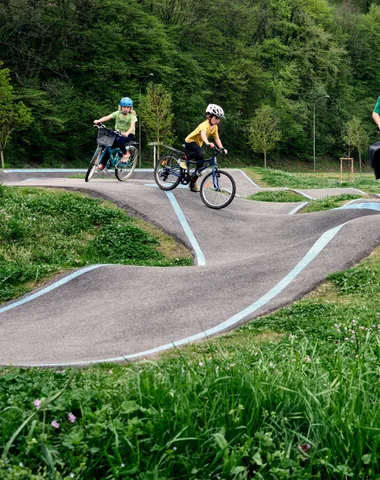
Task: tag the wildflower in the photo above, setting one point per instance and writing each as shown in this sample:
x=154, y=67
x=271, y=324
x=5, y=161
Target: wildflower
x=308, y=359
x=110, y=372
x=21, y=464
x=122, y=465
x=304, y=447
x=72, y=475
x=174, y=448
x=71, y=417
x=55, y=424
x=201, y=364
x=37, y=403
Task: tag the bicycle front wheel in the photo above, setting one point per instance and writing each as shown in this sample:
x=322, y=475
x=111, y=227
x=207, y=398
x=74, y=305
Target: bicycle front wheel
x=125, y=169
x=167, y=172
x=94, y=163
x=218, y=189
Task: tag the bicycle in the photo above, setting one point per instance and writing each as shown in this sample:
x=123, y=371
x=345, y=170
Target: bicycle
x=217, y=188
x=105, y=139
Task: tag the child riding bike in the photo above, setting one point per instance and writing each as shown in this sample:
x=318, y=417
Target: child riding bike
x=195, y=140
x=125, y=121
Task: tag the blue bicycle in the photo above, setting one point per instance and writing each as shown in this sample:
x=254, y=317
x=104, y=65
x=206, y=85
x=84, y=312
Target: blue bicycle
x=105, y=139
x=217, y=188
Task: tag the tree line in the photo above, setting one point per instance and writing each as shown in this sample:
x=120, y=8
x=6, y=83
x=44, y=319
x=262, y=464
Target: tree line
x=267, y=62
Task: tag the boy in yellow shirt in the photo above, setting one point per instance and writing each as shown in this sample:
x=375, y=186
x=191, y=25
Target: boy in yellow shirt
x=194, y=141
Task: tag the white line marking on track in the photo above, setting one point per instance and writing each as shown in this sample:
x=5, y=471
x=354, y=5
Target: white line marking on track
x=369, y=205
x=298, y=208
x=51, y=287
x=249, y=179
x=201, y=261
x=318, y=246
x=303, y=194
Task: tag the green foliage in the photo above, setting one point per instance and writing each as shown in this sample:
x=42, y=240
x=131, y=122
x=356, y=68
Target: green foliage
x=280, y=178
x=328, y=203
x=44, y=232
x=264, y=132
x=156, y=114
x=76, y=59
x=362, y=280
x=14, y=116
x=279, y=196
x=355, y=137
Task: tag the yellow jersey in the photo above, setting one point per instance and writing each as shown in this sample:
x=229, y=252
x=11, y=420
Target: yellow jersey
x=210, y=130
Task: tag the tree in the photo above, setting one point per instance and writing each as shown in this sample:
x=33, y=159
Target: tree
x=13, y=115
x=264, y=131
x=355, y=136
x=156, y=115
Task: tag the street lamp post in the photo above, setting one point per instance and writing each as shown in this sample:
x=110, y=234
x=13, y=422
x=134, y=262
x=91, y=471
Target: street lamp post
x=140, y=146
x=321, y=98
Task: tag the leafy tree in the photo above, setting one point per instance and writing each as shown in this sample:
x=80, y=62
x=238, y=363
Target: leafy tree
x=355, y=136
x=264, y=131
x=156, y=115
x=13, y=115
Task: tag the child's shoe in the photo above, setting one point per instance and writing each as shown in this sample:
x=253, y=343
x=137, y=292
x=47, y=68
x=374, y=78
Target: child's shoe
x=193, y=187
x=182, y=163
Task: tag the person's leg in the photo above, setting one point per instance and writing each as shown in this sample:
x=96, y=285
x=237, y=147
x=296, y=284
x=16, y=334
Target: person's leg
x=196, y=153
x=121, y=143
x=104, y=159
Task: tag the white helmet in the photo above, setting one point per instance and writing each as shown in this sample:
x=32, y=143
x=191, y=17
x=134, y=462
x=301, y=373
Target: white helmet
x=213, y=109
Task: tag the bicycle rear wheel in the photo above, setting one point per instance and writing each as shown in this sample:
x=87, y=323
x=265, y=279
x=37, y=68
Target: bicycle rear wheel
x=167, y=172
x=218, y=190
x=94, y=163
x=124, y=170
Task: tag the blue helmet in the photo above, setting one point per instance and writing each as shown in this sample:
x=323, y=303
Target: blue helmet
x=126, y=102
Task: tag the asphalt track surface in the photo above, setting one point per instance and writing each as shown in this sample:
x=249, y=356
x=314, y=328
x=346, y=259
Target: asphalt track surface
x=249, y=259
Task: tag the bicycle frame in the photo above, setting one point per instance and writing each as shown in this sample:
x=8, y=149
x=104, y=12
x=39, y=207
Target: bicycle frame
x=217, y=188
x=114, y=156
x=124, y=167
x=204, y=164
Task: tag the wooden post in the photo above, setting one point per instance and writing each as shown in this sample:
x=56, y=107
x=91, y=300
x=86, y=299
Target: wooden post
x=155, y=145
x=351, y=172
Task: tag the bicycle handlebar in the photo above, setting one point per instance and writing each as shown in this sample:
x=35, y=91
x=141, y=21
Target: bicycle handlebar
x=101, y=125
x=217, y=150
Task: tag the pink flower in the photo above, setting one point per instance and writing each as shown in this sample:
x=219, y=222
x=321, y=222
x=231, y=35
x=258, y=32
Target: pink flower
x=55, y=424
x=37, y=403
x=71, y=417
x=305, y=447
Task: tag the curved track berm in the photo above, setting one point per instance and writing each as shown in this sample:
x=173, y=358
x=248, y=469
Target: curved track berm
x=257, y=258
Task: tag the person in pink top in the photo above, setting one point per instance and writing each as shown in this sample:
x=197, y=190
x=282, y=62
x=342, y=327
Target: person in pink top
x=195, y=140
